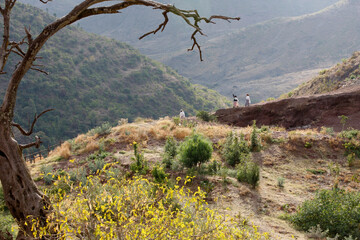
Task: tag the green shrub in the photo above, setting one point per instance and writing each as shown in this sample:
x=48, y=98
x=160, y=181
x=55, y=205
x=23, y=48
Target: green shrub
x=255, y=145
x=335, y=210
x=205, y=116
x=140, y=165
x=352, y=147
x=104, y=129
x=350, y=134
x=235, y=150
x=343, y=120
x=316, y=171
x=351, y=159
x=196, y=149
x=176, y=120
x=101, y=155
x=171, y=147
x=6, y=220
x=308, y=144
x=96, y=165
x=280, y=182
x=213, y=167
x=159, y=174
x=249, y=173
x=327, y=130
x=48, y=174
x=317, y=233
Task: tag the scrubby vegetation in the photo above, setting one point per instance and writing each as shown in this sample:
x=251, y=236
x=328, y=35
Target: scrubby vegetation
x=336, y=211
x=199, y=179
x=120, y=208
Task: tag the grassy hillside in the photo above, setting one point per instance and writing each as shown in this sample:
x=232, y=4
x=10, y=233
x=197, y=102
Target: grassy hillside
x=344, y=75
x=273, y=57
x=98, y=179
x=95, y=79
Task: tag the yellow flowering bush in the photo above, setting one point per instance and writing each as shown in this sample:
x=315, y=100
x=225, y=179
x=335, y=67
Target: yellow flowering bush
x=120, y=208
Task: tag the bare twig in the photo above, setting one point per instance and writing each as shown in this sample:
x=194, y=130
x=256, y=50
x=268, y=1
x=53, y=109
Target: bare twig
x=28, y=133
x=28, y=35
x=29, y=145
x=39, y=70
x=161, y=26
x=195, y=44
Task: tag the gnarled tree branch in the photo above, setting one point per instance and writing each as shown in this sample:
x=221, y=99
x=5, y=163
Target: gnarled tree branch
x=28, y=133
x=161, y=26
x=29, y=145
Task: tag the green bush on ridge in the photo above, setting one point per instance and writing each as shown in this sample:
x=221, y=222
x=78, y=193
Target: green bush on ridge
x=337, y=211
x=195, y=150
x=235, y=150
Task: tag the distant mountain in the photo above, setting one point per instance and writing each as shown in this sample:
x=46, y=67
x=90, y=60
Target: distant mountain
x=256, y=59
x=343, y=76
x=273, y=57
x=135, y=21
x=94, y=79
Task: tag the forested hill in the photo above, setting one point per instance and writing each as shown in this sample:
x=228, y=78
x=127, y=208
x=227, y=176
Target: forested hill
x=95, y=79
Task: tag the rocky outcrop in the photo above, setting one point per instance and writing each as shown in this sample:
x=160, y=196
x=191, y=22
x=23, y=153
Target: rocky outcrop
x=313, y=111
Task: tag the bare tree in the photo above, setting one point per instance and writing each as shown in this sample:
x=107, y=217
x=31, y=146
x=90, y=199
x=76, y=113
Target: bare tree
x=22, y=196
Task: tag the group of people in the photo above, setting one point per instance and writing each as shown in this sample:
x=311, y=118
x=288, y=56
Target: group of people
x=236, y=104
x=236, y=101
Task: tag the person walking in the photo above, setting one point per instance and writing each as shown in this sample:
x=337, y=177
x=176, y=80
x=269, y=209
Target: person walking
x=236, y=101
x=247, y=100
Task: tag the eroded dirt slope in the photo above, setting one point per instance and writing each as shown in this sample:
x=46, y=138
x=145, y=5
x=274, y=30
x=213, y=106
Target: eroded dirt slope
x=312, y=111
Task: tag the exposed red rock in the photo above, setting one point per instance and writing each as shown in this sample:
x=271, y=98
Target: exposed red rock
x=308, y=112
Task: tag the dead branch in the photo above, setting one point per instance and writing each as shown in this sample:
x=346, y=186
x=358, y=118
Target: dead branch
x=39, y=70
x=29, y=145
x=161, y=26
x=28, y=133
x=195, y=44
x=28, y=35
x=224, y=18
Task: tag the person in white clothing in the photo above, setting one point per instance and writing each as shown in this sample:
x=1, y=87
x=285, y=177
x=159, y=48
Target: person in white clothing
x=247, y=100
x=236, y=102
x=182, y=114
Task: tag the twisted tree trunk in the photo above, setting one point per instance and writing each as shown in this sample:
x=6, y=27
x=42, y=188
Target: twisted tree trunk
x=21, y=194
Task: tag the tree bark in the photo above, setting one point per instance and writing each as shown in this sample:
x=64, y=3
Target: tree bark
x=21, y=194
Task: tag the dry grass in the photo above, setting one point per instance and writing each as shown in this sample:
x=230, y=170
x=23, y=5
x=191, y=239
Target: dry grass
x=214, y=131
x=129, y=133
x=81, y=138
x=64, y=151
x=91, y=146
x=181, y=133
x=162, y=129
